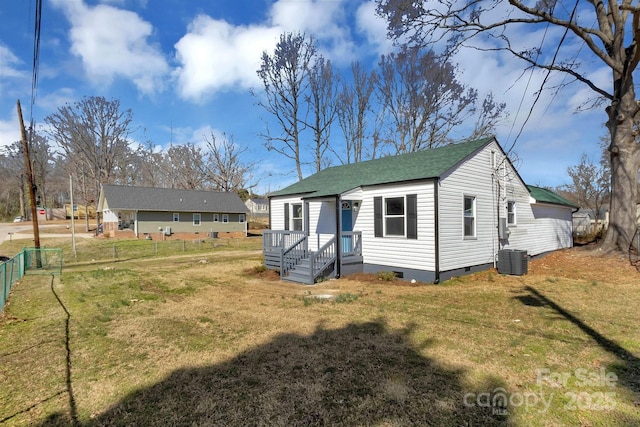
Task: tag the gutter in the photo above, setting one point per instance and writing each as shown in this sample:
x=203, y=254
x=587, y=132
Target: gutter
x=338, y=237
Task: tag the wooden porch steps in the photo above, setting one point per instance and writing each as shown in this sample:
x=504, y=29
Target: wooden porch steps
x=301, y=273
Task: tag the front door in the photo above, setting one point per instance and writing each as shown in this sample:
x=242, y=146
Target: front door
x=347, y=225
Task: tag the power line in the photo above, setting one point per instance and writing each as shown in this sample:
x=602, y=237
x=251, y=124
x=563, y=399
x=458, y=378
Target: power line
x=35, y=65
x=546, y=78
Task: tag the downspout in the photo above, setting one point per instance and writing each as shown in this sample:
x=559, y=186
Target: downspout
x=496, y=214
x=269, y=212
x=338, y=238
x=436, y=231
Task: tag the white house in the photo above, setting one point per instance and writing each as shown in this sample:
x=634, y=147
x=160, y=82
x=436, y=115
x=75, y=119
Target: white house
x=258, y=206
x=429, y=216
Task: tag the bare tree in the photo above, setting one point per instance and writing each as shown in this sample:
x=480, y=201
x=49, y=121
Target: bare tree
x=322, y=102
x=93, y=135
x=183, y=167
x=354, y=112
x=491, y=113
x=422, y=98
x=284, y=75
x=224, y=168
x=41, y=159
x=12, y=191
x=589, y=184
x=609, y=33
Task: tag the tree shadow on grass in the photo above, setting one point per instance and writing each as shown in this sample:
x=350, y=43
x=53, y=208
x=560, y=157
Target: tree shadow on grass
x=362, y=374
x=628, y=367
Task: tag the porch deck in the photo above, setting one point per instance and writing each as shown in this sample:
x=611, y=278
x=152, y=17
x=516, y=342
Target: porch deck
x=290, y=253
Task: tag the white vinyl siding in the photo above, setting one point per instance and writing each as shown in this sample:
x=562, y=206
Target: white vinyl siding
x=398, y=251
x=550, y=230
x=322, y=220
x=473, y=177
x=277, y=211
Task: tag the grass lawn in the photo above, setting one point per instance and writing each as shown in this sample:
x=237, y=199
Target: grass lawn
x=207, y=339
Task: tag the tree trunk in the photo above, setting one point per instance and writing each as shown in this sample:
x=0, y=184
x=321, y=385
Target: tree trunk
x=624, y=155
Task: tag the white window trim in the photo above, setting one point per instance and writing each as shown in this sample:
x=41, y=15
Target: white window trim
x=385, y=216
x=176, y=217
x=515, y=209
x=474, y=216
x=225, y=218
x=199, y=216
x=295, y=218
x=242, y=218
x=216, y=218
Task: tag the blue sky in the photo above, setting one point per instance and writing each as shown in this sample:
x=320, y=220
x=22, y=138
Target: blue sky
x=185, y=69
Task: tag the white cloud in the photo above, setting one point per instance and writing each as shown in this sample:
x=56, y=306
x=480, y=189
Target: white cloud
x=373, y=27
x=324, y=20
x=9, y=63
x=114, y=43
x=9, y=130
x=214, y=56
x=56, y=99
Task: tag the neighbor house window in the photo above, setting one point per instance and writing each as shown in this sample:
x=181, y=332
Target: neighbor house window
x=394, y=216
x=241, y=218
x=469, y=216
x=196, y=219
x=296, y=217
x=225, y=218
x=216, y=218
x=176, y=217
x=511, y=213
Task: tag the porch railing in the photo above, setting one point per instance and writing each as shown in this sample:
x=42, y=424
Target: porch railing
x=291, y=256
x=321, y=259
x=275, y=242
x=351, y=243
x=272, y=239
x=284, y=250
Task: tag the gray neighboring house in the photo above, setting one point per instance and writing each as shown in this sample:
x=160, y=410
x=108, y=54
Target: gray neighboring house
x=147, y=210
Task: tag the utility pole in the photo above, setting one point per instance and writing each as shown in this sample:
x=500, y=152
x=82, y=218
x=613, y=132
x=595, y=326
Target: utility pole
x=32, y=185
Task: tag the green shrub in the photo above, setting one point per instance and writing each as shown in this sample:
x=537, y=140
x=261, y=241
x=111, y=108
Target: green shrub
x=386, y=276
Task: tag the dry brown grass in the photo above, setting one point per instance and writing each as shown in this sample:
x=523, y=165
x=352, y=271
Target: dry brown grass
x=213, y=340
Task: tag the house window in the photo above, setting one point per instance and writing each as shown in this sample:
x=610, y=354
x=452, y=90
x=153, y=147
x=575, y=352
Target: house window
x=296, y=217
x=469, y=216
x=241, y=218
x=176, y=217
x=216, y=218
x=225, y=218
x=196, y=219
x=511, y=212
x=394, y=216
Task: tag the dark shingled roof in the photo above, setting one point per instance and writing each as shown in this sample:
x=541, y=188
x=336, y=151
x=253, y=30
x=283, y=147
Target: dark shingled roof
x=547, y=196
x=425, y=164
x=120, y=197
